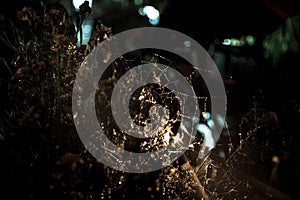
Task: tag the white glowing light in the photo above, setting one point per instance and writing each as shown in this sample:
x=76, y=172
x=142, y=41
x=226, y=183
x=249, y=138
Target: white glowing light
x=152, y=13
x=78, y=3
x=87, y=28
x=167, y=138
x=226, y=42
x=208, y=137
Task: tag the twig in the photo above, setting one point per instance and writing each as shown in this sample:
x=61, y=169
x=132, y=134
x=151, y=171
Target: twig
x=8, y=43
x=5, y=63
x=200, y=191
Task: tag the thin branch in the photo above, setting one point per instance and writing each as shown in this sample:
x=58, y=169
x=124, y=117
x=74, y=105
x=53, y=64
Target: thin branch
x=7, y=42
x=7, y=66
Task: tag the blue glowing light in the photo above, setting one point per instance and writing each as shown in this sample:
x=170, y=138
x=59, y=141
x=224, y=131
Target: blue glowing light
x=211, y=123
x=152, y=13
x=208, y=137
x=154, y=22
x=226, y=42
x=86, y=28
x=206, y=115
x=220, y=120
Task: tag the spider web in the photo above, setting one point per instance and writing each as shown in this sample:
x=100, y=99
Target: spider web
x=215, y=175
x=143, y=100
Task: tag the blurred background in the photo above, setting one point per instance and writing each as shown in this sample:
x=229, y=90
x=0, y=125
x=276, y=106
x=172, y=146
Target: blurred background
x=255, y=45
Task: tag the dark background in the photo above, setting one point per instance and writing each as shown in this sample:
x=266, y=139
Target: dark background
x=206, y=22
